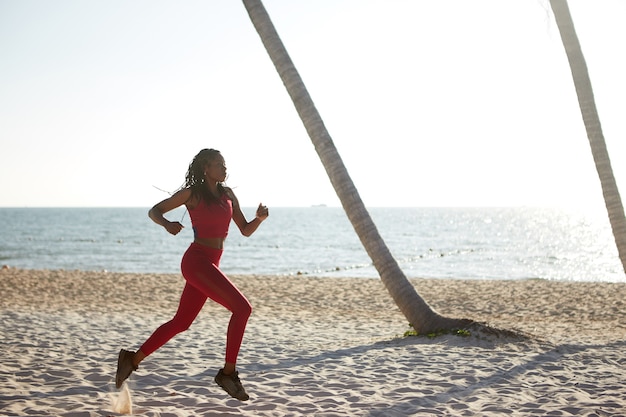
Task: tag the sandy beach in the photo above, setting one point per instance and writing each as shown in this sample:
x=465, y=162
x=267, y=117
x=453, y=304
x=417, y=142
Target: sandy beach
x=314, y=347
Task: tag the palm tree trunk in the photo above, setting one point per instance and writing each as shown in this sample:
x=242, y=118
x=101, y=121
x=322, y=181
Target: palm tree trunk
x=419, y=314
x=587, y=104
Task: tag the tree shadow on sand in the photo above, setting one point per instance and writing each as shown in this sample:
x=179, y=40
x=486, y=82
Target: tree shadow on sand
x=556, y=379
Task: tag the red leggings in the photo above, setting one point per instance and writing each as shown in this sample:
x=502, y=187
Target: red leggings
x=200, y=267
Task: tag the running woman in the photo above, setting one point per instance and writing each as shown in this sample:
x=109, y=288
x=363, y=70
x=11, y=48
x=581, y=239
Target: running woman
x=211, y=206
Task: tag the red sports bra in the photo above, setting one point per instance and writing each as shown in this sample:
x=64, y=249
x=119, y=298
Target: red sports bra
x=212, y=220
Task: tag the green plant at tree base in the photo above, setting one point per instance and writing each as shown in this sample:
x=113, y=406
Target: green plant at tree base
x=432, y=335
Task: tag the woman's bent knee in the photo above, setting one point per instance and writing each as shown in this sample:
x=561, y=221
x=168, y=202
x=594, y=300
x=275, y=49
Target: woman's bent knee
x=181, y=324
x=244, y=308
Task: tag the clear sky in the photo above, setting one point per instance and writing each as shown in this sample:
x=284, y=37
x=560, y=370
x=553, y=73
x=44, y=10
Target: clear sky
x=430, y=103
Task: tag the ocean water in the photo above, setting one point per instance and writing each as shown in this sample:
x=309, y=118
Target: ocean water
x=468, y=243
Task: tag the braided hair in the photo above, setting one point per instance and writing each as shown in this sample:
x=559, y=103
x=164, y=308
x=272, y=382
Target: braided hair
x=194, y=179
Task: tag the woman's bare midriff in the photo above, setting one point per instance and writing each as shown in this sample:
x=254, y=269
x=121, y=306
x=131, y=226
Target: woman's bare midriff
x=212, y=242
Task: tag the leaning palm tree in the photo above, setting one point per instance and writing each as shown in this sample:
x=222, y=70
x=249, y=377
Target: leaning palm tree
x=587, y=104
x=419, y=314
